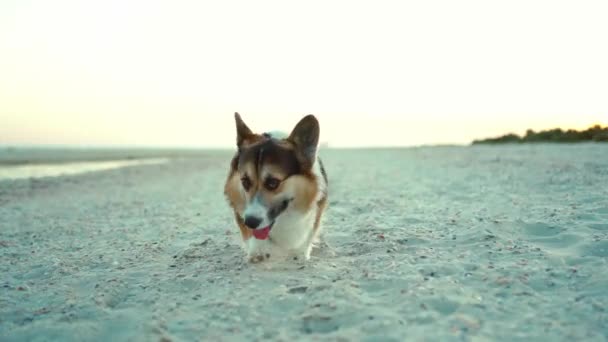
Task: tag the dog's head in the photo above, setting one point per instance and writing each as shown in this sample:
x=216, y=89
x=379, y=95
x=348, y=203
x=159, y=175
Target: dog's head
x=271, y=173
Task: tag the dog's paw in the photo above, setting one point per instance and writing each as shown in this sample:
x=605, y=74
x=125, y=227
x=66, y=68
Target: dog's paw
x=322, y=248
x=306, y=252
x=258, y=251
x=257, y=258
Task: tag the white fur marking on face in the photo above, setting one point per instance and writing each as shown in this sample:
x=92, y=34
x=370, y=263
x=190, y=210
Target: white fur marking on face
x=257, y=209
x=278, y=135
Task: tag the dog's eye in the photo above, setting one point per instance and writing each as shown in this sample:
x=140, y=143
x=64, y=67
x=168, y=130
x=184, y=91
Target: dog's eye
x=246, y=183
x=272, y=183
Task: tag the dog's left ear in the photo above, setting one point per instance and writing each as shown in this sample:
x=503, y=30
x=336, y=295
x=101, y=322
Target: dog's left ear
x=306, y=138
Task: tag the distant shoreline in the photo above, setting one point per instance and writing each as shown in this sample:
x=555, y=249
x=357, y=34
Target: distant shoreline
x=595, y=133
x=14, y=156
x=19, y=155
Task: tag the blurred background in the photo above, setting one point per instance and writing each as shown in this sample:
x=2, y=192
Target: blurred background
x=376, y=73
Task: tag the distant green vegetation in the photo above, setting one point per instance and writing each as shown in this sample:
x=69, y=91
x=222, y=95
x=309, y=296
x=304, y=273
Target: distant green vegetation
x=557, y=135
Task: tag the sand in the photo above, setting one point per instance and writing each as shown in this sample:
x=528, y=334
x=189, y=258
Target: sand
x=436, y=243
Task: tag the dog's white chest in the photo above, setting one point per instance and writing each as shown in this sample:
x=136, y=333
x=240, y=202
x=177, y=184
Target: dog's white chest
x=293, y=230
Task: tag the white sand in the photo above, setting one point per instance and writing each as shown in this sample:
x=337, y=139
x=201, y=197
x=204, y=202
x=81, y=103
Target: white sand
x=477, y=243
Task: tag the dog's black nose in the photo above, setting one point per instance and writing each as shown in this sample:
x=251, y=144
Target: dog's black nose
x=252, y=222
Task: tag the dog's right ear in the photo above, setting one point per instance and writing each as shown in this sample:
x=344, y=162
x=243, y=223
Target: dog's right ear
x=306, y=138
x=242, y=131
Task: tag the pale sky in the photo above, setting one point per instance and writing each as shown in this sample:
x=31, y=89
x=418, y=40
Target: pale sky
x=375, y=73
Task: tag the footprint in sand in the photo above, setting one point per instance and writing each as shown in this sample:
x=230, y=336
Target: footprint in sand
x=598, y=249
x=596, y=219
x=598, y=226
x=319, y=324
x=558, y=241
x=541, y=229
x=550, y=236
x=602, y=210
x=443, y=305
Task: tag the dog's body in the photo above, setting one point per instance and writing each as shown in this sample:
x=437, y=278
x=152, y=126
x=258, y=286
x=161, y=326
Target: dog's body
x=277, y=188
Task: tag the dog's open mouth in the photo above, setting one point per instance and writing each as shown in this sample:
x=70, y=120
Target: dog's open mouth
x=262, y=233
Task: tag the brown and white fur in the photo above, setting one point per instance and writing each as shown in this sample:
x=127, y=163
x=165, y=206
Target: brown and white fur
x=278, y=181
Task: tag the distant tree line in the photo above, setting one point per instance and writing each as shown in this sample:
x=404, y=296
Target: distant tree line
x=595, y=133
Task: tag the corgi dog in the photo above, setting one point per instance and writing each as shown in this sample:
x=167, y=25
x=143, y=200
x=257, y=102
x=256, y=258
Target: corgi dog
x=277, y=188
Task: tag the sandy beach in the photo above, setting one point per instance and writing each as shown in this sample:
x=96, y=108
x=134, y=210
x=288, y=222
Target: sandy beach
x=480, y=243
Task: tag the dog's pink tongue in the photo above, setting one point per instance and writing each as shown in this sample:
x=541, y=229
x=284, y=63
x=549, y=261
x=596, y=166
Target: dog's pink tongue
x=261, y=234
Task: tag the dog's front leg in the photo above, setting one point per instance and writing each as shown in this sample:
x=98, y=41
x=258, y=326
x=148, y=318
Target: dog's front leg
x=305, y=250
x=258, y=250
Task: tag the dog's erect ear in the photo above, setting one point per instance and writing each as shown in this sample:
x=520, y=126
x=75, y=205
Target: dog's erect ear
x=242, y=131
x=306, y=138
